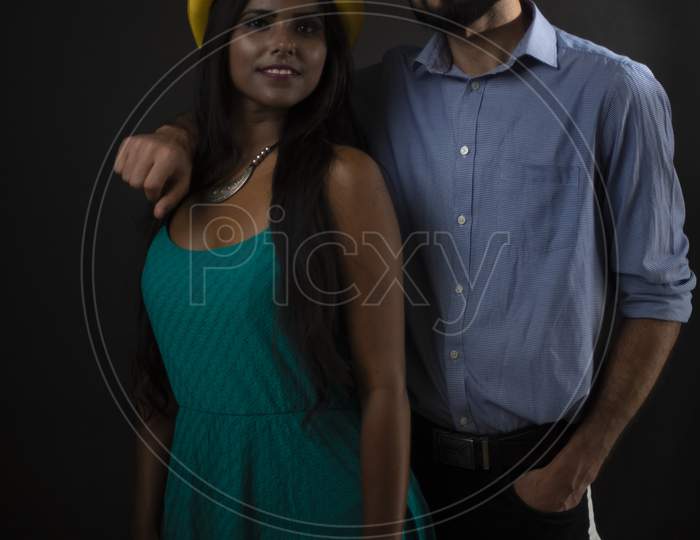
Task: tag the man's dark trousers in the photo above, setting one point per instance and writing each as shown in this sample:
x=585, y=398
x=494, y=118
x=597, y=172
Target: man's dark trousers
x=496, y=512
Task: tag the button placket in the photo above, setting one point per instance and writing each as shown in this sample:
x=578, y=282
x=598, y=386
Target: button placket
x=464, y=130
x=466, y=421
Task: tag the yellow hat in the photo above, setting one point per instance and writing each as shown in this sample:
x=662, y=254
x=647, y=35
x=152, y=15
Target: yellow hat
x=198, y=14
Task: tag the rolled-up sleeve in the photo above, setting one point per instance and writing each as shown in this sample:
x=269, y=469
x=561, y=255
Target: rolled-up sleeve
x=646, y=199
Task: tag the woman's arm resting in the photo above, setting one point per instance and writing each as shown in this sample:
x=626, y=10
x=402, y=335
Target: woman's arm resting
x=373, y=264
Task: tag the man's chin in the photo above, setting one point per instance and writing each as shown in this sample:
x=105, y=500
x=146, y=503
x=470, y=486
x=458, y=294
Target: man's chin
x=459, y=13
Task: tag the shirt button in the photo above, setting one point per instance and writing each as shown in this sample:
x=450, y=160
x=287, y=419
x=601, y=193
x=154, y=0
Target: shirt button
x=464, y=150
x=461, y=220
x=464, y=421
x=476, y=85
x=459, y=289
x=454, y=355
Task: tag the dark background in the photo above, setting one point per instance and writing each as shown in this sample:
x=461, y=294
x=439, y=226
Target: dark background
x=73, y=73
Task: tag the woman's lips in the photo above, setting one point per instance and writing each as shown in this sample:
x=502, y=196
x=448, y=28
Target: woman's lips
x=275, y=73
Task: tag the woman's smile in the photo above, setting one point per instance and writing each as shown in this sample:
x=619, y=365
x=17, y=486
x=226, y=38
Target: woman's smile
x=279, y=72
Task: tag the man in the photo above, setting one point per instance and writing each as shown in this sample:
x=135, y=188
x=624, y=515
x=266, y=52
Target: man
x=532, y=174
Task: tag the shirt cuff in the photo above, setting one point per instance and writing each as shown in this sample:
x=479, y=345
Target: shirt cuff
x=666, y=302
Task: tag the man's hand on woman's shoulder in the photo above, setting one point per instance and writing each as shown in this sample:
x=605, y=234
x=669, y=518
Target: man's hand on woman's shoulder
x=160, y=163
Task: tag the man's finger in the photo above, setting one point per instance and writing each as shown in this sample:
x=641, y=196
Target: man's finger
x=155, y=181
x=120, y=161
x=139, y=170
x=170, y=199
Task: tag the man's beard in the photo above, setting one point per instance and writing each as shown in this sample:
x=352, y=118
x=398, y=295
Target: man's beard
x=461, y=12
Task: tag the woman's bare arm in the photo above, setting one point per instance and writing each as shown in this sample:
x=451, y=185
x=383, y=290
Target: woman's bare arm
x=373, y=264
x=151, y=474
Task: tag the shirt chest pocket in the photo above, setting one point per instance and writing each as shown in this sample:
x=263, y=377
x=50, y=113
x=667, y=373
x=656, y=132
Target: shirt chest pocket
x=539, y=205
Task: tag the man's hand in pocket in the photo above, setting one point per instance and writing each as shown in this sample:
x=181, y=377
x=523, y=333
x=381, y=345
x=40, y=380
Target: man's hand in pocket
x=553, y=488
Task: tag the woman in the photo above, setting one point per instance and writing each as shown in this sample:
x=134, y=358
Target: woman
x=273, y=361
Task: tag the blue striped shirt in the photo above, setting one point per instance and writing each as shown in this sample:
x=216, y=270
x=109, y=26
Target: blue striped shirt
x=493, y=178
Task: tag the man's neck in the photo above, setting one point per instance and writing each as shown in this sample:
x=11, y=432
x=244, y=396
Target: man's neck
x=488, y=41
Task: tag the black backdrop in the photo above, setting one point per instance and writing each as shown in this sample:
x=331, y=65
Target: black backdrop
x=73, y=73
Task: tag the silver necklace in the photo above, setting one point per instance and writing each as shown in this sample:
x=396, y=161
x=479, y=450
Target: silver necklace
x=227, y=187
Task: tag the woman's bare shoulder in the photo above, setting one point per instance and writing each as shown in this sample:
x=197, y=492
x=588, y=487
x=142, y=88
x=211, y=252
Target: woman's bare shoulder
x=180, y=220
x=357, y=193
x=354, y=173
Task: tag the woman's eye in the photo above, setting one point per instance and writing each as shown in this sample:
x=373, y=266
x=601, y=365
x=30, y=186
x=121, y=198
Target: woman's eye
x=256, y=23
x=309, y=27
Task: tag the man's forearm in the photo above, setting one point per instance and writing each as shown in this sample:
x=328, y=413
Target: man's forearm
x=640, y=350
x=184, y=129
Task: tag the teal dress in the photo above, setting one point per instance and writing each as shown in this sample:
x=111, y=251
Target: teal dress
x=242, y=466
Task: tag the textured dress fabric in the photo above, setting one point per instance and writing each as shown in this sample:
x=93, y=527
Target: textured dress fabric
x=242, y=465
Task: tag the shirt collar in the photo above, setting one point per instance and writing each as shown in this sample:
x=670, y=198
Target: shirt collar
x=539, y=41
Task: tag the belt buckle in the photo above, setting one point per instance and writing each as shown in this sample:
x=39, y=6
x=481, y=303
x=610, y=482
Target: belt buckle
x=457, y=450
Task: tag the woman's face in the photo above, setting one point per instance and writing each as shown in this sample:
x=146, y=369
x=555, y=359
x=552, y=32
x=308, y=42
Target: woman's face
x=274, y=60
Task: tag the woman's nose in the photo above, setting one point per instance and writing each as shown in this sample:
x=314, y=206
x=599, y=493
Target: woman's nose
x=283, y=39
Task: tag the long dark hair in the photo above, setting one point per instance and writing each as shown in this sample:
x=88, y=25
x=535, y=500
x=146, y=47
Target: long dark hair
x=314, y=322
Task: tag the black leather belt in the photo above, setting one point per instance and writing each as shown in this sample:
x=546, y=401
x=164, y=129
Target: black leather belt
x=537, y=444
x=459, y=450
